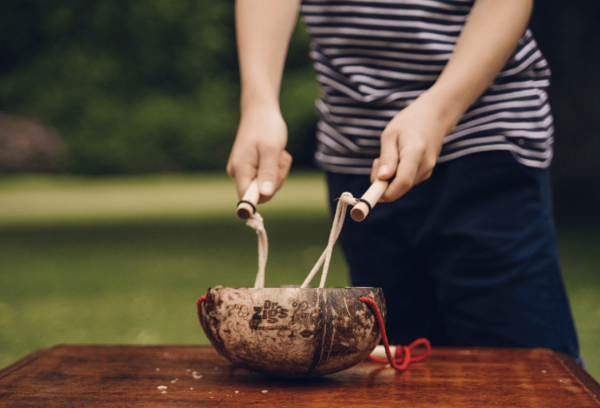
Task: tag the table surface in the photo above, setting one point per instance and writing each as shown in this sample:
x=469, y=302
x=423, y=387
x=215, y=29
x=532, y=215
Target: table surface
x=81, y=375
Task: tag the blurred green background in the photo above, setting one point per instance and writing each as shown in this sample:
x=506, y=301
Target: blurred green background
x=138, y=86
x=121, y=114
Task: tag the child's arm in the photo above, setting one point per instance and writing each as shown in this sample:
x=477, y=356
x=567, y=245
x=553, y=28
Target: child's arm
x=412, y=141
x=264, y=29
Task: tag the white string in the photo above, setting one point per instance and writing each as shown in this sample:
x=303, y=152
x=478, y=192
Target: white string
x=338, y=222
x=256, y=223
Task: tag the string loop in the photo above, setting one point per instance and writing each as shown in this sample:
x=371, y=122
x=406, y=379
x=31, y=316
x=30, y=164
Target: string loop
x=402, y=357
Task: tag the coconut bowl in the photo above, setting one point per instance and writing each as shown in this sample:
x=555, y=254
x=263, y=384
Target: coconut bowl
x=292, y=331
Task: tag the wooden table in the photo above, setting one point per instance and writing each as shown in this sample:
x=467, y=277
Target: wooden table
x=117, y=376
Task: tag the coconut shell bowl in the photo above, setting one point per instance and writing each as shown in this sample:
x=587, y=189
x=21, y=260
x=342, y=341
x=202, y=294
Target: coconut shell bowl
x=292, y=331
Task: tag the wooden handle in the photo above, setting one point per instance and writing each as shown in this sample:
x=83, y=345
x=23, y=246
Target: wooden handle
x=247, y=205
x=372, y=195
x=379, y=351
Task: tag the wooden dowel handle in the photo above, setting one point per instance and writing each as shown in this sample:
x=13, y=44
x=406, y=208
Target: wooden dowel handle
x=371, y=196
x=247, y=205
x=379, y=351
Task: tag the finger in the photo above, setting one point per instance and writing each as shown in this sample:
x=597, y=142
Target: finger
x=405, y=175
x=374, y=170
x=243, y=180
x=426, y=176
x=267, y=174
x=285, y=163
x=242, y=170
x=425, y=169
x=423, y=174
x=388, y=157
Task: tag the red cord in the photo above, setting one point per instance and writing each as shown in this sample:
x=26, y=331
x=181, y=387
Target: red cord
x=403, y=355
x=199, y=308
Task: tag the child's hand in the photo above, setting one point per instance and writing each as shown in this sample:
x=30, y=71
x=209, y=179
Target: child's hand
x=410, y=146
x=412, y=141
x=258, y=151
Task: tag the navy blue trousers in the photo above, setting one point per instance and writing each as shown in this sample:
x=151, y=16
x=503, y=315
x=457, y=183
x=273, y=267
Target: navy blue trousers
x=466, y=258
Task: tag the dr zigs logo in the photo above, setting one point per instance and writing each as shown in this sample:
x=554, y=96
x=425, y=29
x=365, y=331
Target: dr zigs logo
x=270, y=311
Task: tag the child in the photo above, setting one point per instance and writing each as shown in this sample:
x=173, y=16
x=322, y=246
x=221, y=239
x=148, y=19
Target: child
x=446, y=99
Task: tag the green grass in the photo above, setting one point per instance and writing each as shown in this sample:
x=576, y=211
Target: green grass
x=65, y=199
x=580, y=261
x=123, y=260
x=138, y=283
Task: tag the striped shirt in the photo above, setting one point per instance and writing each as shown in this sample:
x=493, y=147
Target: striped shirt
x=373, y=58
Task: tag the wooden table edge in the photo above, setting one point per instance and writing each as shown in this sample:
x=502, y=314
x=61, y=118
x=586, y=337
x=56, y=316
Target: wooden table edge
x=24, y=361
x=34, y=355
x=566, y=361
x=583, y=376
